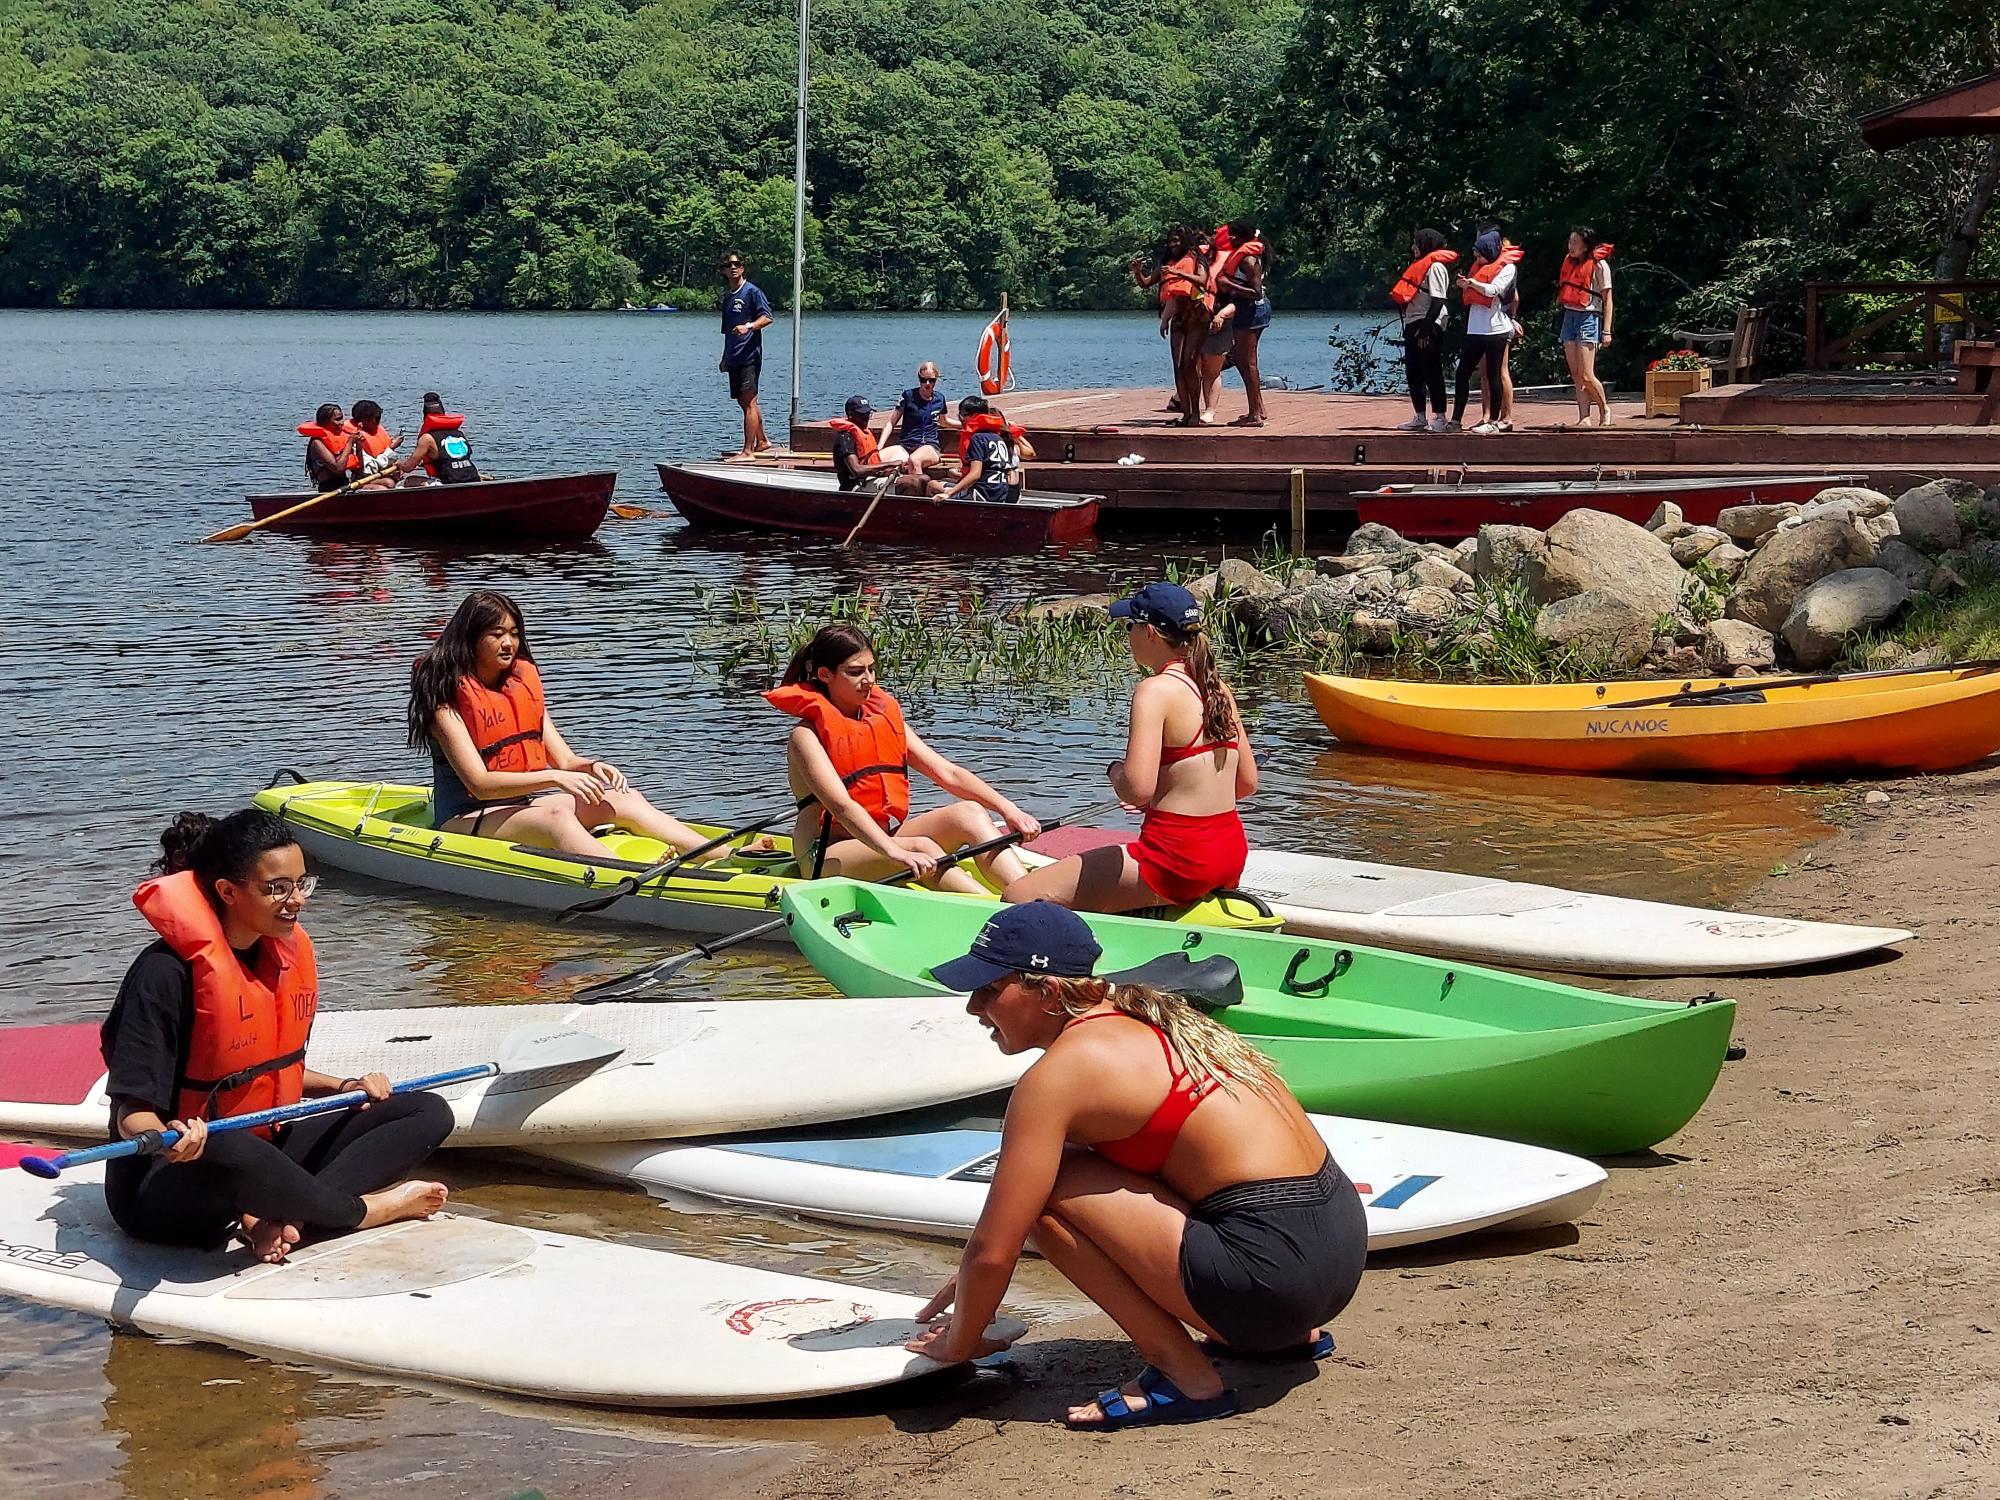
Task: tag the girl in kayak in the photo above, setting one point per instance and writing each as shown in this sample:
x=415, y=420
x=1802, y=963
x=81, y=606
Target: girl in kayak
x=212, y=1021
x=1187, y=762
x=849, y=762
x=1204, y=1197
x=499, y=766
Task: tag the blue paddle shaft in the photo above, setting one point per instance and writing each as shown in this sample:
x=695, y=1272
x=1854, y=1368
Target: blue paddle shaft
x=154, y=1142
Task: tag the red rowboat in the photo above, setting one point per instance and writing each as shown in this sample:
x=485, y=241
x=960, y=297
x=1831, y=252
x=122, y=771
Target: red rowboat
x=1452, y=512
x=540, y=507
x=811, y=502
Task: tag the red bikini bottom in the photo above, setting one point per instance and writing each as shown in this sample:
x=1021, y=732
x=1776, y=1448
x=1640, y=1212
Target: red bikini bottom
x=1186, y=857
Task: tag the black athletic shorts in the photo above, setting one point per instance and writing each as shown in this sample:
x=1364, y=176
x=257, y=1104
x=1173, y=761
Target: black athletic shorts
x=743, y=380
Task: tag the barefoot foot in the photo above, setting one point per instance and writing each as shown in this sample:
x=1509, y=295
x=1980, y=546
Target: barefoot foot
x=406, y=1200
x=269, y=1239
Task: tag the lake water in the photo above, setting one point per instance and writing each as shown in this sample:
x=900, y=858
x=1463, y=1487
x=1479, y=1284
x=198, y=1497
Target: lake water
x=152, y=674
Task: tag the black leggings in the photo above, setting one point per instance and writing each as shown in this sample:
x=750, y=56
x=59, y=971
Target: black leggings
x=1423, y=358
x=313, y=1175
x=1490, y=350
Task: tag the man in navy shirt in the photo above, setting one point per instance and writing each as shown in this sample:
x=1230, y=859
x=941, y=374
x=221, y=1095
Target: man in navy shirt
x=746, y=313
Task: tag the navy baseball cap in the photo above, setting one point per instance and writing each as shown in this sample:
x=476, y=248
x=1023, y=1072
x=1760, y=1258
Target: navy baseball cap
x=1038, y=937
x=858, y=409
x=1165, y=604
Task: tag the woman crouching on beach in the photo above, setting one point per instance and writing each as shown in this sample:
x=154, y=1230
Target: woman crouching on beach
x=1187, y=763
x=1204, y=1198
x=212, y=1021
x=849, y=761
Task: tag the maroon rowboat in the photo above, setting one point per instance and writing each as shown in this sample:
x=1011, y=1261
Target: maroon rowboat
x=539, y=507
x=810, y=502
x=1452, y=512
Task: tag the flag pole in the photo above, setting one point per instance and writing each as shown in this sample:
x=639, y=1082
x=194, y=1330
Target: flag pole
x=799, y=204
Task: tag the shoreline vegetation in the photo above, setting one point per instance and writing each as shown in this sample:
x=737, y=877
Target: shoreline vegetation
x=1852, y=580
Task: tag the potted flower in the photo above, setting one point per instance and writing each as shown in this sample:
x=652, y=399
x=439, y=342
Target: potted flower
x=1673, y=376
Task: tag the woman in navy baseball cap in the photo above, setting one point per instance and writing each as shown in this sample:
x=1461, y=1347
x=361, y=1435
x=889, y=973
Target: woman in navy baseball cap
x=1187, y=762
x=1204, y=1199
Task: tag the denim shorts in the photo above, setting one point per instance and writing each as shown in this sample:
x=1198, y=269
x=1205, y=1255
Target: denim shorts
x=1582, y=327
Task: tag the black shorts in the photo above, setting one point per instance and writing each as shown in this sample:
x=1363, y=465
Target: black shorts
x=1265, y=1263
x=743, y=380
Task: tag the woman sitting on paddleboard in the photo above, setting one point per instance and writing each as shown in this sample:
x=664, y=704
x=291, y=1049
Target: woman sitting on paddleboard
x=1187, y=762
x=212, y=1021
x=849, y=762
x=499, y=767
x=1205, y=1198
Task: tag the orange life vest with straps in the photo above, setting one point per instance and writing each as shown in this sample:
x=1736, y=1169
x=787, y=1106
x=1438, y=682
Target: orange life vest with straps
x=985, y=421
x=335, y=441
x=871, y=753
x=1412, y=280
x=440, y=421
x=505, y=722
x=867, y=448
x=1510, y=255
x=1237, y=256
x=248, y=1048
x=1574, y=279
x=375, y=443
x=1190, y=276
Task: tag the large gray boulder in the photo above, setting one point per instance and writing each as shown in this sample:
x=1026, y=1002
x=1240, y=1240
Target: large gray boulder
x=1906, y=562
x=1927, y=516
x=1750, y=523
x=1599, y=622
x=1591, y=552
x=1728, y=560
x=1373, y=536
x=1501, y=553
x=1727, y=645
x=1430, y=573
x=1427, y=608
x=1848, y=499
x=1235, y=576
x=1791, y=562
x=1695, y=543
x=1837, y=607
x=1665, y=514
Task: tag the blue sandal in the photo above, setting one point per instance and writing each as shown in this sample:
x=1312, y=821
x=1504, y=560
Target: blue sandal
x=1166, y=1404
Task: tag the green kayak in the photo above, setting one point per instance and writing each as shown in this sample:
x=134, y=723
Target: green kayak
x=1353, y=1030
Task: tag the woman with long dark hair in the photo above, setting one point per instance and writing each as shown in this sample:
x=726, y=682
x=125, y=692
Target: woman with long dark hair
x=1239, y=278
x=499, y=766
x=1583, y=299
x=1202, y=1198
x=1421, y=293
x=849, y=761
x=1187, y=763
x=212, y=1021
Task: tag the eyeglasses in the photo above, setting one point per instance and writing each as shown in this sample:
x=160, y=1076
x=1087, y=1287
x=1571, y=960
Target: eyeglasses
x=731, y=265
x=927, y=380
x=284, y=890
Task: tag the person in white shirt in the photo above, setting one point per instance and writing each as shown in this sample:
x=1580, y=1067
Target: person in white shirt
x=1489, y=293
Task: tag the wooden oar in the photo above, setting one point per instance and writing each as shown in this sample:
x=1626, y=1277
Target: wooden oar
x=880, y=490
x=627, y=986
x=531, y=1057
x=1759, y=684
x=665, y=867
x=237, y=533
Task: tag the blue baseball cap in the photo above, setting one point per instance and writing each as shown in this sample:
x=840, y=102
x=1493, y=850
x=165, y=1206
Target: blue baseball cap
x=1038, y=937
x=858, y=409
x=1165, y=604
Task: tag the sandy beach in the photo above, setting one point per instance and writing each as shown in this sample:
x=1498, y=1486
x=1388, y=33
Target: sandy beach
x=1794, y=1297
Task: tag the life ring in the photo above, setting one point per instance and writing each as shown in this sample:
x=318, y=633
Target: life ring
x=996, y=358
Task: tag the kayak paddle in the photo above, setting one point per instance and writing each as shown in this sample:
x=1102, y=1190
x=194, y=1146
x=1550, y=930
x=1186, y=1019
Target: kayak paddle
x=531, y=1057
x=1759, y=684
x=631, y=883
x=880, y=490
x=237, y=533
x=631, y=984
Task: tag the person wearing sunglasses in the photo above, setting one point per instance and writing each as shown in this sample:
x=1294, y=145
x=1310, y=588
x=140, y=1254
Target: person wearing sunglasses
x=914, y=436
x=746, y=313
x=212, y=1020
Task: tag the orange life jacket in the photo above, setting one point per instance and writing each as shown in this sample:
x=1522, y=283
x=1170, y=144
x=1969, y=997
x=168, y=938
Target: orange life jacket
x=335, y=440
x=1237, y=256
x=440, y=421
x=505, y=722
x=1510, y=255
x=1412, y=280
x=1574, y=279
x=867, y=448
x=985, y=421
x=375, y=443
x=248, y=1048
x=1190, y=276
x=871, y=753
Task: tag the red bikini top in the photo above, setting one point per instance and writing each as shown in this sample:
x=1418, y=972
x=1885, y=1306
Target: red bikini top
x=1171, y=755
x=1145, y=1151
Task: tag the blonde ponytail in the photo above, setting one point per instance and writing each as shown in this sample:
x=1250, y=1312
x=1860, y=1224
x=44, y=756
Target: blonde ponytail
x=1208, y=1050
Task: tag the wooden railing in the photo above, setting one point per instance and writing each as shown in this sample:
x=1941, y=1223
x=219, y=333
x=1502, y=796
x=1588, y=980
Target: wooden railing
x=1967, y=308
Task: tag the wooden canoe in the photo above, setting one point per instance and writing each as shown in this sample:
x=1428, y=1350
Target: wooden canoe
x=1452, y=512
x=538, y=507
x=1855, y=725
x=810, y=502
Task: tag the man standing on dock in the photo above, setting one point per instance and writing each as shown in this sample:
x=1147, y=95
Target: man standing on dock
x=746, y=313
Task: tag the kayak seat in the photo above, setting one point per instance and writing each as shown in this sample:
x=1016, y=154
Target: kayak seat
x=1209, y=984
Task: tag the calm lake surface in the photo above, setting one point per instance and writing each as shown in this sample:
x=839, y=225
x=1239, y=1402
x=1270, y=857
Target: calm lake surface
x=152, y=674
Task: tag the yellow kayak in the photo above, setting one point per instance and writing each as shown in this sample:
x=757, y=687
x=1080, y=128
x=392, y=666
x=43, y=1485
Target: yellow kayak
x=1859, y=724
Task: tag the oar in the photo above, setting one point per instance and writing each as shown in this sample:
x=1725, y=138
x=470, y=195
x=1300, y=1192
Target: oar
x=641, y=979
x=880, y=490
x=1759, y=684
x=665, y=867
x=237, y=533
x=630, y=512
x=531, y=1057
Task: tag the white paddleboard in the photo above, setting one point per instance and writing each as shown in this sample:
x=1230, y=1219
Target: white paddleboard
x=930, y=1176
x=702, y=1068
x=1513, y=923
x=468, y=1302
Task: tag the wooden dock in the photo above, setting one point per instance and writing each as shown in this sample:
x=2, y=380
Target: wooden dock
x=1345, y=444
